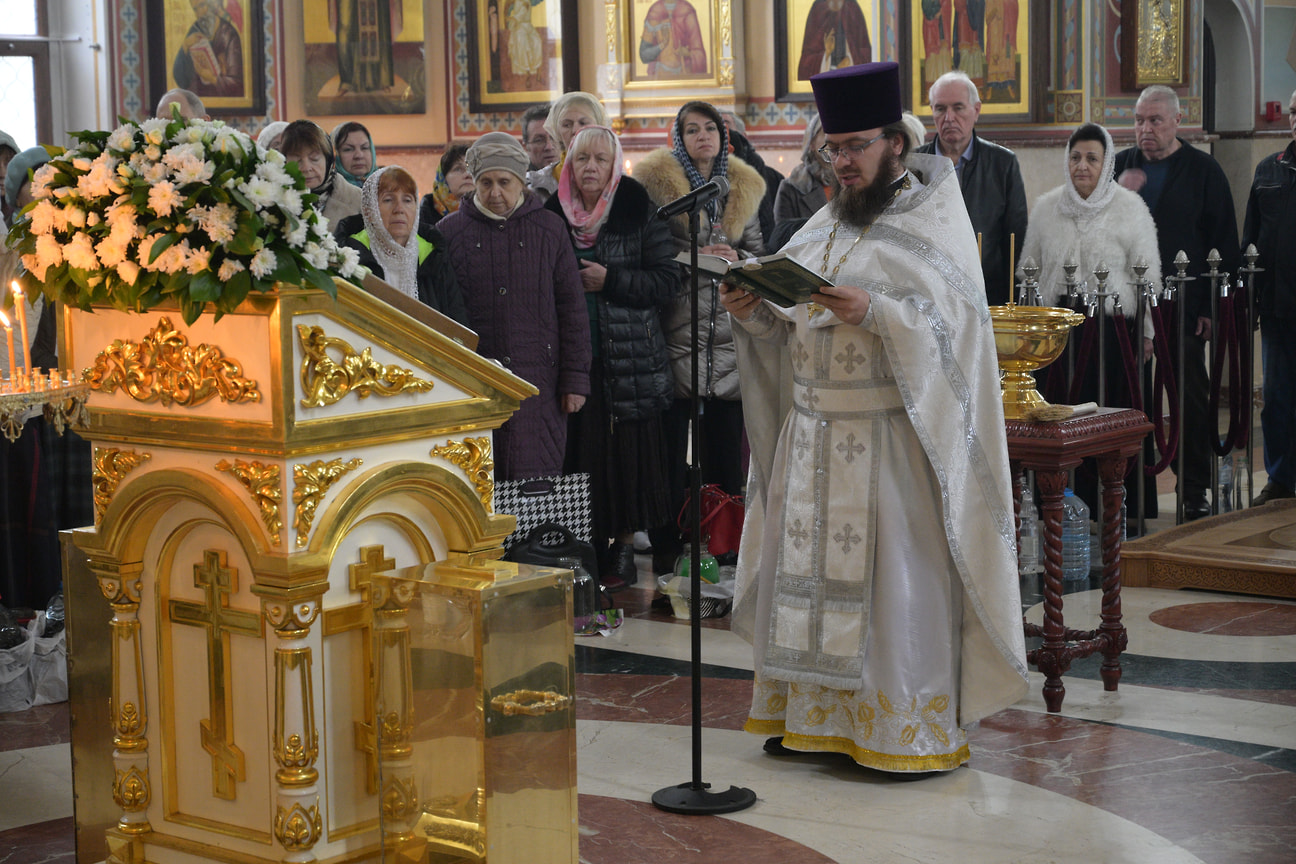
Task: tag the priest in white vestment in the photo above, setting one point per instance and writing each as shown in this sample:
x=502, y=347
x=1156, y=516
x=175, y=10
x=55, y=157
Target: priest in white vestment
x=877, y=578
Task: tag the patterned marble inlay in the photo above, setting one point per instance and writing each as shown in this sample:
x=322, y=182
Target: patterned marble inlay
x=1230, y=619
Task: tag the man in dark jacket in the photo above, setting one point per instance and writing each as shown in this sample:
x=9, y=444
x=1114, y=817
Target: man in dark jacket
x=989, y=177
x=1189, y=197
x=1271, y=225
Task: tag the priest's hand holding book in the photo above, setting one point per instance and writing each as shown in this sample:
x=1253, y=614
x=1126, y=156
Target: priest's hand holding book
x=848, y=303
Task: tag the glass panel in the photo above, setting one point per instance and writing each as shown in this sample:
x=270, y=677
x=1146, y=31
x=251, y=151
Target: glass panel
x=19, y=18
x=18, y=95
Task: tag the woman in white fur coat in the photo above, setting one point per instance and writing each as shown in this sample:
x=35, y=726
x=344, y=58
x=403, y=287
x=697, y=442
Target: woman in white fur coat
x=1092, y=220
x=728, y=227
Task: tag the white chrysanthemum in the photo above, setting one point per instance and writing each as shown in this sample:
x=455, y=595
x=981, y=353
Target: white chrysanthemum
x=120, y=212
x=111, y=252
x=145, y=250
x=122, y=139
x=229, y=268
x=61, y=192
x=80, y=253
x=154, y=130
x=229, y=140
x=129, y=271
x=163, y=198
x=291, y=202
x=76, y=217
x=297, y=236
x=275, y=173
x=273, y=157
x=175, y=258
x=261, y=192
x=81, y=163
x=199, y=260
x=93, y=218
x=154, y=172
x=34, y=266
x=191, y=134
x=43, y=217
x=59, y=218
x=41, y=178
x=316, y=256
x=153, y=152
x=263, y=263
x=218, y=222
x=349, y=266
x=194, y=171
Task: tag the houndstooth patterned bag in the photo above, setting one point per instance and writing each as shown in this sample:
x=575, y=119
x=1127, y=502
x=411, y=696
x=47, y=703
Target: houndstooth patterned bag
x=562, y=498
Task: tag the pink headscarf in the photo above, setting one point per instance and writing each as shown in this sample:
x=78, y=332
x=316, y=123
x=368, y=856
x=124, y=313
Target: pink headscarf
x=585, y=224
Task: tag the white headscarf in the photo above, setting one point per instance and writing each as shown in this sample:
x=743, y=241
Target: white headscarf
x=1081, y=209
x=399, y=263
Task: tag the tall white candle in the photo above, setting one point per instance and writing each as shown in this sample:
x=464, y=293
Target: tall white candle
x=13, y=372
x=20, y=307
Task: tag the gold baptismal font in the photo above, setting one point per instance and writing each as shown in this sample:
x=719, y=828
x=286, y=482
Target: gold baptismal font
x=1028, y=338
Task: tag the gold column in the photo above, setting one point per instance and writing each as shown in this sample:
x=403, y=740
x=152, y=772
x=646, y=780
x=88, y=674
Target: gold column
x=120, y=585
x=298, y=824
x=394, y=694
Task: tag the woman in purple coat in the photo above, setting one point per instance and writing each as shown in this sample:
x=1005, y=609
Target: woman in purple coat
x=515, y=265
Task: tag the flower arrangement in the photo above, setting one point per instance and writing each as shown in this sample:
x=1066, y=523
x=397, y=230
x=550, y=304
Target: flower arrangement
x=184, y=210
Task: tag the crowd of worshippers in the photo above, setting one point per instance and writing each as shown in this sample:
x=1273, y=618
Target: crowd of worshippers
x=542, y=243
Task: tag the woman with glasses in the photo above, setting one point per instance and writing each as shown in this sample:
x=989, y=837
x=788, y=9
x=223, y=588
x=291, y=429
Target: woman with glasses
x=730, y=228
x=311, y=148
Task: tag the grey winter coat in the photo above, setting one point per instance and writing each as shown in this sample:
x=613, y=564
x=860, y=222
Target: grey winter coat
x=664, y=178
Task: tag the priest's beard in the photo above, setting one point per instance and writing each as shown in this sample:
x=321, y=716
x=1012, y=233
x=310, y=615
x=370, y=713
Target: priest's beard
x=859, y=207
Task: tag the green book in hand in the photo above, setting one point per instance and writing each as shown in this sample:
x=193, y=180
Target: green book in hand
x=777, y=278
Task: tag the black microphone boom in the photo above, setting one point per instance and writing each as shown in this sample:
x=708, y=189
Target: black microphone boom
x=717, y=187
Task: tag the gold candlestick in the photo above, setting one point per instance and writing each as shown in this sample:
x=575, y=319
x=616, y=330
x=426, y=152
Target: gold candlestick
x=21, y=311
x=13, y=371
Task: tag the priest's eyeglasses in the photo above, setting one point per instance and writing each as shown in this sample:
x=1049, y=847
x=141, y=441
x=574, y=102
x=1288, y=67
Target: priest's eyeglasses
x=852, y=152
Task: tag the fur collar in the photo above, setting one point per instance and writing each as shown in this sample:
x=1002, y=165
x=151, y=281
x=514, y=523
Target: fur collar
x=664, y=178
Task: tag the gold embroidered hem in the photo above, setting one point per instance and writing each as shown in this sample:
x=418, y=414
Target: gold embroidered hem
x=861, y=755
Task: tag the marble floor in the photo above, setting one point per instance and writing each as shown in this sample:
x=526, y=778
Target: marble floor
x=1193, y=759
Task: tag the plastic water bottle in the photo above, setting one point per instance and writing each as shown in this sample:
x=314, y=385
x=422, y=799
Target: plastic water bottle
x=1075, y=537
x=1242, y=484
x=585, y=599
x=1224, y=492
x=1029, y=545
x=54, y=615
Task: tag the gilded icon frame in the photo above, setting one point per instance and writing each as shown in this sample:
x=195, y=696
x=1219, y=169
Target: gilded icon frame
x=493, y=83
x=1154, y=43
x=392, y=82
x=643, y=36
x=791, y=18
x=169, y=24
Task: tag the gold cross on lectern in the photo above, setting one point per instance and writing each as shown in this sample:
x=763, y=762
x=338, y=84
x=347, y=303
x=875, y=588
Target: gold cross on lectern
x=372, y=561
x=218, y=583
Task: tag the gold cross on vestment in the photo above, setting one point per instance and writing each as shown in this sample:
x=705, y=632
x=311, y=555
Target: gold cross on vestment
x=219, y=583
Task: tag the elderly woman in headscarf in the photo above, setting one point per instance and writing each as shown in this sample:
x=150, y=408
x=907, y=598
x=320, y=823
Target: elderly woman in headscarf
x=808, y=187
x=268, y=137
x=730, y=228
x=515, y=265
x=356, y=157
x=454, y=182
x=570, y=113
x=8, y=150
x=307, y=144
x=1090, y=220
x=410, y=256
x=628, y=270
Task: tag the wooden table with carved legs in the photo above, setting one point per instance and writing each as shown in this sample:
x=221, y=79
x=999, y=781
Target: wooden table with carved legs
x=1111, y=437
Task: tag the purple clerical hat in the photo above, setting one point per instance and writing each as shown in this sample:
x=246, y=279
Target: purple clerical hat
x=858, y=97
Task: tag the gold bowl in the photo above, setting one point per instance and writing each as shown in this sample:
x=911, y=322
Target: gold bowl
x=1028, y=338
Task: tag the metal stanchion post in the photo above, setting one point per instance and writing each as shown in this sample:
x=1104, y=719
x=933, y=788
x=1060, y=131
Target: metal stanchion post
x=1073, y=290
x=1181, y=276
x=1147, y=298
x=1214, y=274
x=1247, y=273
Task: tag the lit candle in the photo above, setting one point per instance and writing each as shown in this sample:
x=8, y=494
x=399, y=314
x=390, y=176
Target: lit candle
x=1012, y=265
x=20, y=308
x=13, y=372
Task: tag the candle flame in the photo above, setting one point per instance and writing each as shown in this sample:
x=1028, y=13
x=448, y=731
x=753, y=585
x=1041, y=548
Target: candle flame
x=17, y=289
x=4, y=319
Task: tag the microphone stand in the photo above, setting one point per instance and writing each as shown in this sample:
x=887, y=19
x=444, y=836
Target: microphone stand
x=695, y=797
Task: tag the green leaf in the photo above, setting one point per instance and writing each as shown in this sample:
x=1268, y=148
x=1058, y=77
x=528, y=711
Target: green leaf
x=286, y=269
x=161, y=246
x=205, y=287
x=237, y=288
x=321, y=280
x=190, y=309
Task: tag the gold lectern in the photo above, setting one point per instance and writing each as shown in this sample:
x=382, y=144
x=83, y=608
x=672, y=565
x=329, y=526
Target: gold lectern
x=253, y=476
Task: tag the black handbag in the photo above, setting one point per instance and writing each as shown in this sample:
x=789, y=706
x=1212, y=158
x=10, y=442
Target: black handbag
x=546, y=545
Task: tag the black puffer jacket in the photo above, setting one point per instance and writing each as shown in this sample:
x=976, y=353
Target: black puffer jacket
x=437, y=284
x=639, y=254
x=1271, y=225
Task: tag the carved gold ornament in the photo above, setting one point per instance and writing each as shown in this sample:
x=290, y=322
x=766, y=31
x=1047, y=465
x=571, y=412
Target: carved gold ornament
x=109, y=466
x=473, y=456
x=532, y=703
x=130, y=790
x=262, y=481
x=325, y=381
x=164, y=367
x=298, y=828
x=310, y=483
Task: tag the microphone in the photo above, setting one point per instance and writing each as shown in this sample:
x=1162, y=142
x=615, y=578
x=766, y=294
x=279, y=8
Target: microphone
x=717, y=187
